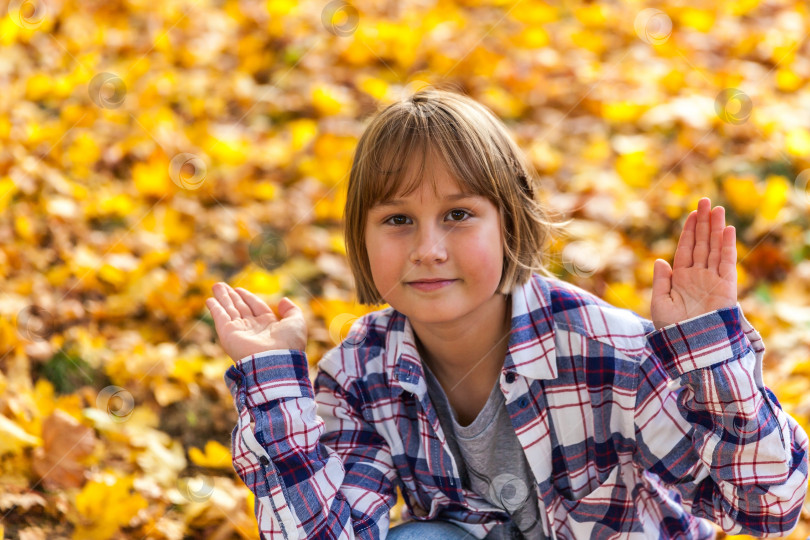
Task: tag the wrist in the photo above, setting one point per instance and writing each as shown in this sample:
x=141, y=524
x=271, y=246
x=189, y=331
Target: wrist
x=273, y=374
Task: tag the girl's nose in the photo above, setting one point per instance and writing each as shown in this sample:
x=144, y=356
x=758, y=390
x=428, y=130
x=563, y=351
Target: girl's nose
x=429, y=246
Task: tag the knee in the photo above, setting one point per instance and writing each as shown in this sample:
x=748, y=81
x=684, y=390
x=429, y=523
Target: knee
x=428, y=530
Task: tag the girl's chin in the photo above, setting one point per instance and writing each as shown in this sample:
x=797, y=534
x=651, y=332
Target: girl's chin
x=432, y=315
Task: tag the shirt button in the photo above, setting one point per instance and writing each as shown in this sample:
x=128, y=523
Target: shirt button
x=264, y=461
x=523, y=402
x=510, y=377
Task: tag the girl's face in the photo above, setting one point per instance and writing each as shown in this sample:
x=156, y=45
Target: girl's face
x=436, y=259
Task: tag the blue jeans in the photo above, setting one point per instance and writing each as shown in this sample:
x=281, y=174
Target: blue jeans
x=428, y=530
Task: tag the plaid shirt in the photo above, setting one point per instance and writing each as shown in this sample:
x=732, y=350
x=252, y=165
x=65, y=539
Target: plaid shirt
x=627, y=430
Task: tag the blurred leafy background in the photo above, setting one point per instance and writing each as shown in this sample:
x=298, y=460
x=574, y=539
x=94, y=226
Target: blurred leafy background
x=151, y=149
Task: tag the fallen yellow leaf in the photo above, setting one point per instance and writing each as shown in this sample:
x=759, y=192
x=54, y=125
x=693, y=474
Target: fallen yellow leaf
x=216, y=456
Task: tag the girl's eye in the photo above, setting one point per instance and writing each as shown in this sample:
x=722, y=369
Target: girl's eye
x=397, y=220
x=458, y=215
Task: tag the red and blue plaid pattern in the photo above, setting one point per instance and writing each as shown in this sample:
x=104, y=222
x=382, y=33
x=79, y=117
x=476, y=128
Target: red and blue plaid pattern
x=630, y=432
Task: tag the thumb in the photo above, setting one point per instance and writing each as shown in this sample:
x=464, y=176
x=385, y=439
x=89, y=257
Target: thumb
x=286, y=308
x=662, y=278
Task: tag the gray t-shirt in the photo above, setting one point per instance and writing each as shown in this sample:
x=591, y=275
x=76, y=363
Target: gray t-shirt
x=491, y=461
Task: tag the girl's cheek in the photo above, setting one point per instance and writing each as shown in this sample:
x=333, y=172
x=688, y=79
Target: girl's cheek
x=487, y=252
x=481, y=245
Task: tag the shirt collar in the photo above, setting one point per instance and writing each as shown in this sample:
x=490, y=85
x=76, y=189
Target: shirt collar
x=531, y=351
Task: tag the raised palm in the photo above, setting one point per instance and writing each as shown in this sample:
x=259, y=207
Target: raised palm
x=703, y=276
x=246, y=325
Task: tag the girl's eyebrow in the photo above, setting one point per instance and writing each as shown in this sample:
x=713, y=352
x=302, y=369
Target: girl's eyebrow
x=450, y=198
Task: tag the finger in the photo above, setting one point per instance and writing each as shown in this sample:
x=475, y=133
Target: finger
x=728, y=255
x=718, y=224
x=700, y=255
x=224, y=298
x=686, y=243
x=218, y=313
x=286, y=308
x=244, y=309
x=256, y=304
x=662, y=278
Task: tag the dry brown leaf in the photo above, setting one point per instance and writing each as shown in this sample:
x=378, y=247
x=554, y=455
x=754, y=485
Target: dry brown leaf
x=25, y=501
x=65, y=443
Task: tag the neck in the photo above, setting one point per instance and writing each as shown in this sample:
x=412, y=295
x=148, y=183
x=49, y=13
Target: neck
x=469, y=354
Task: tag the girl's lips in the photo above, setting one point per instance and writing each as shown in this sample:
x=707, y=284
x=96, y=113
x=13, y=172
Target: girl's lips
x=430, y=285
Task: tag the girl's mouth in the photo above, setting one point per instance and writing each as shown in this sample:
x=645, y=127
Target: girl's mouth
x=430, y=285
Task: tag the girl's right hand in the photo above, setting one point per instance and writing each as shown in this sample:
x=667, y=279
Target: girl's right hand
x=246, y=325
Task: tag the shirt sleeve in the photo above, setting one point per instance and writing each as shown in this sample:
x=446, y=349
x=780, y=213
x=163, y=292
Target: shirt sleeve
x=315, y=475
x=709, y=428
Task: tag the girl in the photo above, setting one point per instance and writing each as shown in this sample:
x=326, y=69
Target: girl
x=504, y=403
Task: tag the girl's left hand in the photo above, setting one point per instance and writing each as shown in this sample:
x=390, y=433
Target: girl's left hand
x=704, y=274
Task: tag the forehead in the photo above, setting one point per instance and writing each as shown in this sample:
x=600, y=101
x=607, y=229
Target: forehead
x=425, y=200
x=424, y=179
x=432, y=186
x=436, y=180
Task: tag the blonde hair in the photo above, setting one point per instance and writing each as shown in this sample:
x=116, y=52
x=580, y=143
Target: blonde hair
x=475, y=146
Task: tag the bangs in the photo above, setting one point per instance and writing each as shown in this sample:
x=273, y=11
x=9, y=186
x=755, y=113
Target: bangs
x=410, y=151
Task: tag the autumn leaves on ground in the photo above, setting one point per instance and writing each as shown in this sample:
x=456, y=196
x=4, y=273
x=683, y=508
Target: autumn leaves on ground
x=151, y=149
